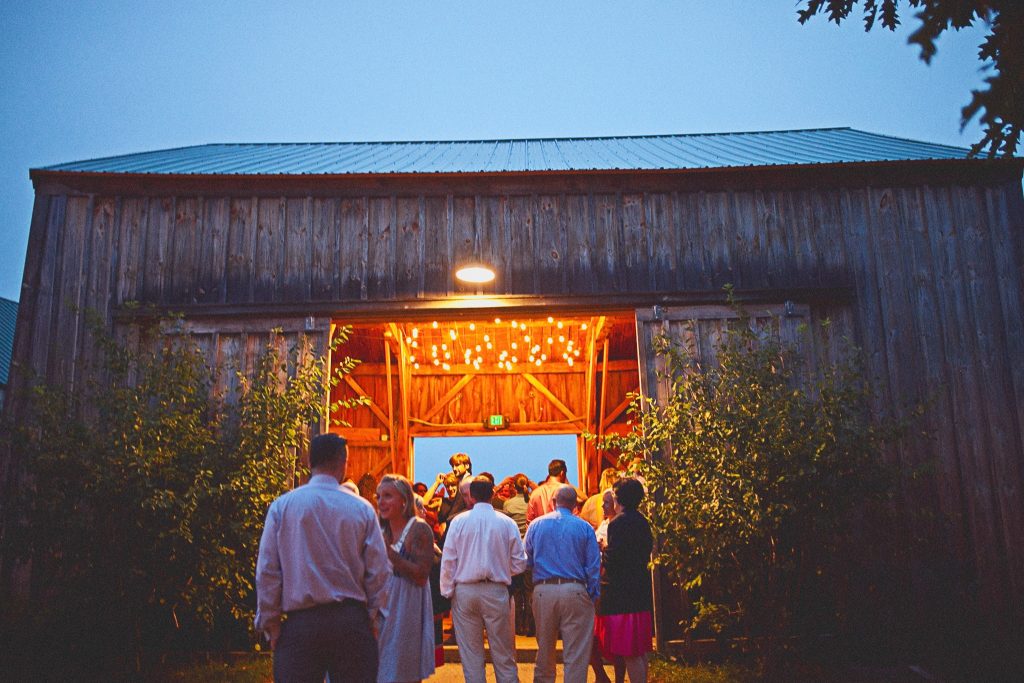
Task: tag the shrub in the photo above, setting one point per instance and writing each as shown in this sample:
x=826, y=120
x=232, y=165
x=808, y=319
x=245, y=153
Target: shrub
x=143, y=496
x=755, y=468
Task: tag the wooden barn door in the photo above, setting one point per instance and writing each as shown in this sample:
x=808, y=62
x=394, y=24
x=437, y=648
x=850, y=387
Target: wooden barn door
x=700, y=330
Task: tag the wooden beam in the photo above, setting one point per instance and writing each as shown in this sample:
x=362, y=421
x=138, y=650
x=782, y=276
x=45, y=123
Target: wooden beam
x=452, y=393
x=361, y=392
x=619, y=409
x=405, y=382
x=477, y=429
x=546, y=393
x=604, y=390
x=391, y=403
x=264, y=315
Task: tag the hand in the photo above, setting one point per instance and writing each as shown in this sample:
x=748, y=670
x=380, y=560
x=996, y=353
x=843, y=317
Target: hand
x=273, y=632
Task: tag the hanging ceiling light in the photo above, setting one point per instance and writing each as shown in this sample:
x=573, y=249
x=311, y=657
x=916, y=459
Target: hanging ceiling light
x=475, y=273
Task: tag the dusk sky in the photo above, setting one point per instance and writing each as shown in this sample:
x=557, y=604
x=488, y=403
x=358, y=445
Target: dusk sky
x=85, y=79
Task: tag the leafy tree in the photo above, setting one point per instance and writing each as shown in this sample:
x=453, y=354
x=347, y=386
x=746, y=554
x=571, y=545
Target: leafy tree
x=144, y=495
x=999, y=106
x=753, y=471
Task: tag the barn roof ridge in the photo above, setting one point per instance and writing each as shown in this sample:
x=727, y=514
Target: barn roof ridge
x=800, y=146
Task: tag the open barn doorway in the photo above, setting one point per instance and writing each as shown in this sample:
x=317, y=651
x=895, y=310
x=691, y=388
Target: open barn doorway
x=473, y=374
x=514, y=391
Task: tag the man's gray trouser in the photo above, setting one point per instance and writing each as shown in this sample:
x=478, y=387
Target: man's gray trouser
x=479, y=606
x=565, y=608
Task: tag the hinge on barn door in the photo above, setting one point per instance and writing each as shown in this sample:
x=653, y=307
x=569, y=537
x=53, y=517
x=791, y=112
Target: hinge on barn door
x=658, y=313
x=789, y=309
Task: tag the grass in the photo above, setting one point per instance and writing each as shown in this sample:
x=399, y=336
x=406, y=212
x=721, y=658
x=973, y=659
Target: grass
x=258, y=669
x=664, y=671
x=254, y=669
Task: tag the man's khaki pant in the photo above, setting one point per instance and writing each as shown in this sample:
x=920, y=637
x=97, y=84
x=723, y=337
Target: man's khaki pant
x=479, y=606
x=565, y=608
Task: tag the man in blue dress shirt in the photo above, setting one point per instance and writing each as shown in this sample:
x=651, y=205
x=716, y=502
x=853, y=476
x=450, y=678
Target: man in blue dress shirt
x=562, y=551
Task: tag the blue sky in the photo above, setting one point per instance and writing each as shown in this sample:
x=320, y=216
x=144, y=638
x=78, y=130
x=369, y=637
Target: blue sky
x=501, y=455
x=90, y=79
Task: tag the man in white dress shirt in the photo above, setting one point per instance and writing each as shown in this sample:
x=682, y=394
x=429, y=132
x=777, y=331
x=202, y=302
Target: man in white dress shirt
x=323, y=565
x=482, y=554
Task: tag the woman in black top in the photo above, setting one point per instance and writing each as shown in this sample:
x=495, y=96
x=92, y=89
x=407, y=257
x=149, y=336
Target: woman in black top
x=624, y=625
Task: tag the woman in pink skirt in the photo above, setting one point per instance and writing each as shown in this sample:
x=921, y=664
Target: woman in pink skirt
x=624, y=625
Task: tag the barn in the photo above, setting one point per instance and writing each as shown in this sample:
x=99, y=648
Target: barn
x=912, y=249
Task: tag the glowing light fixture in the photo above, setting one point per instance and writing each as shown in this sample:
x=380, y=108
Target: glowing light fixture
x=476, y=273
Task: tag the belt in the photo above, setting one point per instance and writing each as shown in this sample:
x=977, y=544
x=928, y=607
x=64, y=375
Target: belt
x=345, y=602
x=481, y=581
x=560, y=580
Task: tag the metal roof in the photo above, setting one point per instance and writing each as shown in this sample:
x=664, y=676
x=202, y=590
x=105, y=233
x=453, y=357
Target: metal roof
x=8, y=316
x=648, y=152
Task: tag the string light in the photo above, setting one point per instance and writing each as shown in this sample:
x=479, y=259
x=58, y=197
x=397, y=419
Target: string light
x=449, y=344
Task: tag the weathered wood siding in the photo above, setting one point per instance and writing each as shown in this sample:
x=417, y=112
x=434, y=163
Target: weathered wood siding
x=935, y=269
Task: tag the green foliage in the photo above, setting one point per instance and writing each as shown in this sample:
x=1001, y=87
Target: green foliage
x=753, y=470
x=144, y=494
x=1000, y=106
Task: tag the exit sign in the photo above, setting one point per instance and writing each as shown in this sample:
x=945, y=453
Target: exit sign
x=496, y=422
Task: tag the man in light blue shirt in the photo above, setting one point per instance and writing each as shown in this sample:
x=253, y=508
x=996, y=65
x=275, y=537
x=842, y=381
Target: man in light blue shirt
x=562, y=551
x=322, y=565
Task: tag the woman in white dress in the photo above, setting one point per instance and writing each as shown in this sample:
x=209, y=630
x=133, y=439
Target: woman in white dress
x=406, y=638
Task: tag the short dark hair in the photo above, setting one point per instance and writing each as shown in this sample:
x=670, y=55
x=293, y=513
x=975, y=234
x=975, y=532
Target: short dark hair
x=326, y=449
x=629, y=493
x=556, y=467
x=481, y=489
x=487, y=475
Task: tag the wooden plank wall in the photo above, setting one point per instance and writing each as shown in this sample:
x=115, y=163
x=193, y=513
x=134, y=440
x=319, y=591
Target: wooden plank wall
x=936, y=270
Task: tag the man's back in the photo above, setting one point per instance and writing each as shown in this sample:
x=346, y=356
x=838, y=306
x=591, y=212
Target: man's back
x=566, y=563
x=321, y=545
x=482, y=544
x=542, y=500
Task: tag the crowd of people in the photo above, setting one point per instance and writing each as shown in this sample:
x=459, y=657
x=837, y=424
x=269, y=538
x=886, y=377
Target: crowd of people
x=354, y=581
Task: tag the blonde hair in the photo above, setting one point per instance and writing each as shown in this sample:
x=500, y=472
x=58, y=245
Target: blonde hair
x=609, y=476
x=404, y=488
